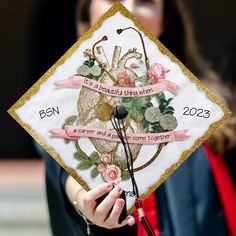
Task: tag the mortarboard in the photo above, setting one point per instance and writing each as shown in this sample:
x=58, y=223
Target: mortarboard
x=118, y=63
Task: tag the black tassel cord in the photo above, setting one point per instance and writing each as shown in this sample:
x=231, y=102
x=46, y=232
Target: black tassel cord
x=118, y=125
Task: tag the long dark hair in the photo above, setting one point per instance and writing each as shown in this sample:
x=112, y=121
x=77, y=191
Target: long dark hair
x=178, y=37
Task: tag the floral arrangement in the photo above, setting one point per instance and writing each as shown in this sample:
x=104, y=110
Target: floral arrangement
x=103, y=164
x=90, y=70
x=143, y=110
x=156, y=119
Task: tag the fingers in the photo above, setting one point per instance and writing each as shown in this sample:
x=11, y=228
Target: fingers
x=130, y=220
x=106, y=205
x=89, y=199
x=98, y=192
x=116, y=211
x=112, y=220
x=101, y=214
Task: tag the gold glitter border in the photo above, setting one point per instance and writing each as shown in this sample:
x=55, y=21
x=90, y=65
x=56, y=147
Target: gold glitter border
x=117, y=6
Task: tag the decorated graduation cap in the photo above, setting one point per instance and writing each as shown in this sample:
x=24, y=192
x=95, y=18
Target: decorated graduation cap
x=119, y=107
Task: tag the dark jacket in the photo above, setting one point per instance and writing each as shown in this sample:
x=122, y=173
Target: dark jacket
x=188, y=203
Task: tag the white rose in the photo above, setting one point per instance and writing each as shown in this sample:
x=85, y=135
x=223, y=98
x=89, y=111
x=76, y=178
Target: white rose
x=168, y=122
x=84, y=70
x=95, y=70
x=152, y=114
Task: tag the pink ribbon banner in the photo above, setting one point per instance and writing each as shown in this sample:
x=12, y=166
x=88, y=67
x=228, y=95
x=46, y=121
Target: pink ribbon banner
x=74, y=132
x=79, y=81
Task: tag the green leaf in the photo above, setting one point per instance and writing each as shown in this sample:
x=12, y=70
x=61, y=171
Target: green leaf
x=119, y=85
x=145, y=123
x=169, y=112
x=99, y=162
x=67, y=141
x=149, y=104
x=94, y=173
x=139, y=103
x=84, y=165
x=169, y=100
x=170, y=108
x=125, y=100
x=70, y=120
x=161, y=96
x=125, y=175
x=128, y=105
x=148, y=98
x=96, y=77
x=162, y=108
x=94, y=157
x=143, y=109
x=157, y=129
x=80, y=155
x=123, y=165
x=77, y=122
x=87, y=63
x=163, y=101
x=136, y=114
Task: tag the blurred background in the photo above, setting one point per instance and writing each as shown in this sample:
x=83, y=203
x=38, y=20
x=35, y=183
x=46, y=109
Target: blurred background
x=34, y=34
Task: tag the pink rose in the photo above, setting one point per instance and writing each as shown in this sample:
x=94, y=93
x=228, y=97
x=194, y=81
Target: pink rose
x=157, y=72
x=101, y=168
x=112, y=174
x=122, y=75
x=106, y=158
x=125, y=80
x=128, y=82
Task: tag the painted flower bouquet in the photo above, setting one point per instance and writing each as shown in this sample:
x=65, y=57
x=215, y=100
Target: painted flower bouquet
x=146, y=114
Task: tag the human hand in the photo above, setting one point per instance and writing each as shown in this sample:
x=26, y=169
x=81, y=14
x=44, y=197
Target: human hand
x=105, y=214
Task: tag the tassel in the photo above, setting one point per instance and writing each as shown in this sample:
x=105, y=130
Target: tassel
x=143, y=218
x=118, y=124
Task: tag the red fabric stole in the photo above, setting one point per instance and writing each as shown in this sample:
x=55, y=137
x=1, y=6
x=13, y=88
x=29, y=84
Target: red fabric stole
x=225, y=186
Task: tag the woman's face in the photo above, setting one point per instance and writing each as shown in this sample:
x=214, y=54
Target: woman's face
x=149, y=12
